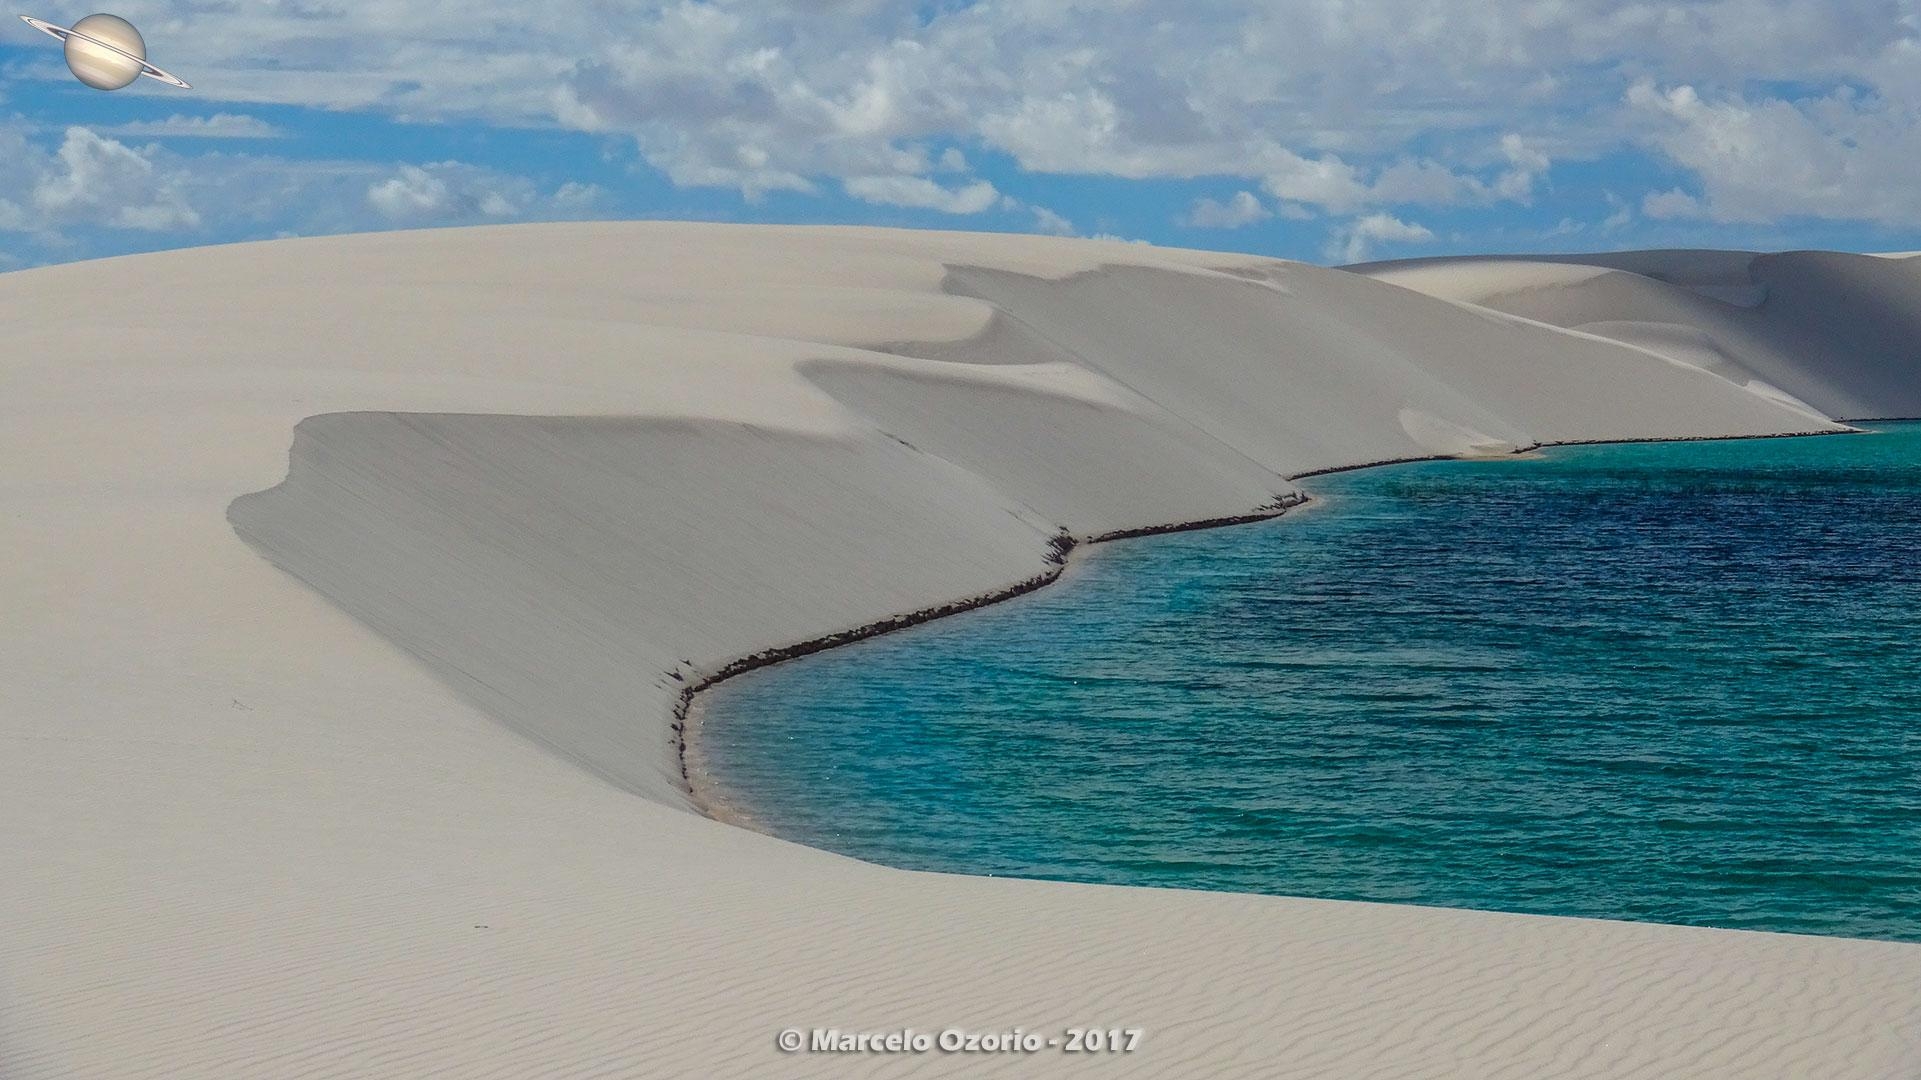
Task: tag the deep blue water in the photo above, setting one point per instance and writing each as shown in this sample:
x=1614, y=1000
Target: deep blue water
x=1676, y=682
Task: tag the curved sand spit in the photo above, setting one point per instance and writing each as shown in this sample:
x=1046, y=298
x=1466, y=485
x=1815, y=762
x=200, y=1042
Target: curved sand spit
x=364, y=766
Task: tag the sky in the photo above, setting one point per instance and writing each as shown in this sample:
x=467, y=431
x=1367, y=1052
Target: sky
x=1327, y=130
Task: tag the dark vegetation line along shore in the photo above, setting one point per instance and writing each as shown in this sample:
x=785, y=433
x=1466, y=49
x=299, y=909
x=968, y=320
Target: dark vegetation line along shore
x=1702, y=438
x=1060, y=547
x=1061, y=544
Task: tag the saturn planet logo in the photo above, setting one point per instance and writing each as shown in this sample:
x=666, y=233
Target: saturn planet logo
x=105, y=51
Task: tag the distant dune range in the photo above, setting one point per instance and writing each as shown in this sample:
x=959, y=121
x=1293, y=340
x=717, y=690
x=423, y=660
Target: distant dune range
x=1838, y=332
x=364, y=761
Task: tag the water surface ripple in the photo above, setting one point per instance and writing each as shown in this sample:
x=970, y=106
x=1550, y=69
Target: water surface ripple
x=1671, y=682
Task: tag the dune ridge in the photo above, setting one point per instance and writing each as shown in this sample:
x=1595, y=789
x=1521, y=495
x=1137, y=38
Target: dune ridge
x=359, y=757
x=1831, y=330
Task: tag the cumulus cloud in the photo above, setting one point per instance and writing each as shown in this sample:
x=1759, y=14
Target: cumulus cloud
x=413, y=193
x=452, y=192
x=69, y=200
x=920, y=193
x=573, y=197
x=1322, y=103
x=1622, y=216
x=1844, y=155
x=1527, y=164
x=1327, y=182
x=875, y=61
x=1243, y=209
x=1339, y=107
x=1047, y=221
x=99, y=181
x=447, y=191
x=1355, y=242
x=1665, y=205
x=1424, y=182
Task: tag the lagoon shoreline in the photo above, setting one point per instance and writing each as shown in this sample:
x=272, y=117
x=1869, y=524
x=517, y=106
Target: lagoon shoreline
x=938, y=753
x=689, y=712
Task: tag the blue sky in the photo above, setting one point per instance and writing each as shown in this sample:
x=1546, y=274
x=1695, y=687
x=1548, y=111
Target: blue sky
x=1327, y=130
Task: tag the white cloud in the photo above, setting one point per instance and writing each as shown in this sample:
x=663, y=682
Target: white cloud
x=1342, y=106
x=1338, y=187
x=1327, y=182
x=1423, y=182
x=217, y=126
x=872, y=63
x=14, y=217
x=1526, y=159
x=920, y=193
x=573, y=196
x=1242, y=209
x=64, y=202
x=1842, y=156
x=1665, y=205
x=1528, y=164
x=1320, y=102
x=1355, y=242
x=413, y=193
x=449, y=191
x=1049, y=222
x=98, y=181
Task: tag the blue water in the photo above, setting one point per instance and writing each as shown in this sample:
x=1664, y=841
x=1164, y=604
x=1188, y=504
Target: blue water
x=1671, y=682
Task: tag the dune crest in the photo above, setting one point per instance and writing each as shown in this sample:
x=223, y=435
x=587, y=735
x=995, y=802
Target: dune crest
x=1840, y=333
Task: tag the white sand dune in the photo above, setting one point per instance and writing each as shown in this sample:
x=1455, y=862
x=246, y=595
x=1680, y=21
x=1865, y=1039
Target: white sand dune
x=1839, y=332
x=361, y=762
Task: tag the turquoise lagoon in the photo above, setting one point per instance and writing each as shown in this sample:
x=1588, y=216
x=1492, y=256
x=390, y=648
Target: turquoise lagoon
x=1677, y=682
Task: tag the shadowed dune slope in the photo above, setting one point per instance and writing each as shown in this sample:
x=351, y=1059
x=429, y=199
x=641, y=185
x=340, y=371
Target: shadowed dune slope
x=1304, y=369
x=1839, y=332
x=555, y=570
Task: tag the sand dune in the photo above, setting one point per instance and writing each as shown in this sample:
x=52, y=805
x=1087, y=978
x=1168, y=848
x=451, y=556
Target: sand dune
x=347, y=615
x=1839, y=332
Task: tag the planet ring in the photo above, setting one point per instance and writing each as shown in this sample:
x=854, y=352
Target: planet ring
x=63, y=34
